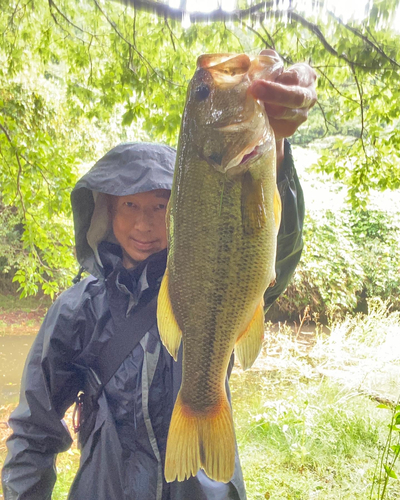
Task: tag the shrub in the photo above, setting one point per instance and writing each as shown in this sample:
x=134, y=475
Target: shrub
x=348, y=257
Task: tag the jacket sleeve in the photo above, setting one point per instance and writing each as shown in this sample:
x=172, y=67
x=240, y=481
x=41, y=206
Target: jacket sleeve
x=49, y=386
x=290, y=236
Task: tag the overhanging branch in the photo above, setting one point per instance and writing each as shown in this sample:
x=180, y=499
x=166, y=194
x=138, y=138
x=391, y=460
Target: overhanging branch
x=164, y=10
x=369, y=42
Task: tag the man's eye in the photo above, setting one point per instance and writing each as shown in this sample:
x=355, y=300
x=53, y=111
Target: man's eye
x=130, y=204
x=161, y=206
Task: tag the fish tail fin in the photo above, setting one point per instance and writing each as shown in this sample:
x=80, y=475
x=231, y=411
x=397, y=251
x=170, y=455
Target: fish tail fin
x=197, y=441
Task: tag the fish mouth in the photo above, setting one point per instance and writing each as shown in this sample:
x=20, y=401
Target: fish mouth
x=249, y=155
x=253, y=155
x=242, y=161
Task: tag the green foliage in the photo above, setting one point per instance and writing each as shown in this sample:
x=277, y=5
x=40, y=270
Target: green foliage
x=349, y=256
x=69, y=91
x=389, y=456
x=78, y=77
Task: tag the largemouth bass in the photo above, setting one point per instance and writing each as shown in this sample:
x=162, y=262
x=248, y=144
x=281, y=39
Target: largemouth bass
x=223, y=219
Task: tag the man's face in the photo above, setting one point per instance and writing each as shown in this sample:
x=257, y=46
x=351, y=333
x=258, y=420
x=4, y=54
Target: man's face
x=139, y=224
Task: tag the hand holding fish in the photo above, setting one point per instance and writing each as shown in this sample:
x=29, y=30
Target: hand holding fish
x=287, y=99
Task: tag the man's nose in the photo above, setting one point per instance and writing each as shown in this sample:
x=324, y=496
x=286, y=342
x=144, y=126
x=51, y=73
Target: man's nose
x=144, y=220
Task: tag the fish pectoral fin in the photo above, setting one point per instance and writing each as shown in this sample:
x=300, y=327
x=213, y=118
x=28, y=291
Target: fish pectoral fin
x=277, y=209
x=252, y=205
x=200, y=440
x=248, y=345
x=170, y=333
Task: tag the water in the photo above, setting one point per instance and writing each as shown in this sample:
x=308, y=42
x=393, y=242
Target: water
x=13, y=352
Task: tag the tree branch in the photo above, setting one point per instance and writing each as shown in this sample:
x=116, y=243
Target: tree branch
x=360, y=93
x=271, y=40
x=326, y=121
x=235, y=35
x=19, y=168
x=141, y=56
x=264, y=41
x=164, y=10
x=318, y=33
x=52, y=4
x=334, y=87
x=365, y=39
x=171, y=33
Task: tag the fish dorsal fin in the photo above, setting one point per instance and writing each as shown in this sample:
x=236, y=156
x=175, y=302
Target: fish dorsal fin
x=248, y=345
x=170, y=333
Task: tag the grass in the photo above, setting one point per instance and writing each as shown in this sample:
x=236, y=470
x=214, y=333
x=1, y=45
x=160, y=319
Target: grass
x=307, y=439
x=307, y=424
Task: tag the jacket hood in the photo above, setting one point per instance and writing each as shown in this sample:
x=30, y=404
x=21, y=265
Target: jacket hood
x=127, y=169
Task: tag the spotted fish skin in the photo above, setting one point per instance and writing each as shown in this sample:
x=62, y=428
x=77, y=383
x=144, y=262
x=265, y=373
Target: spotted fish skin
x=223, y=219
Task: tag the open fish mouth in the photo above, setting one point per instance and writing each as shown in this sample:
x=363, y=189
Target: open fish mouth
x=242, y=161
x=254, y=154
x=246, y=157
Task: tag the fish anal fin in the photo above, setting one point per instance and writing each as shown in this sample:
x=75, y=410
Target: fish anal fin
x=252, y=205
x=248, y=345
x=277, y=209
x=200, y=441
x=170, y=333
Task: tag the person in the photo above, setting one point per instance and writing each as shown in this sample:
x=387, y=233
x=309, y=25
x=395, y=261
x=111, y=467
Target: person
x=119, y=210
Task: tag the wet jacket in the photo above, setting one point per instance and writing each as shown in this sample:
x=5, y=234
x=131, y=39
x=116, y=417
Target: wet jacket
x=123, y=438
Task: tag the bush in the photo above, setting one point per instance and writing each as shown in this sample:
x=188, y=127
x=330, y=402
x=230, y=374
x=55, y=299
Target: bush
x=348, y=257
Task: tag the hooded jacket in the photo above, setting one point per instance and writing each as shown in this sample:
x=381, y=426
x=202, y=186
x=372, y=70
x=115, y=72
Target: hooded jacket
x=123, y=450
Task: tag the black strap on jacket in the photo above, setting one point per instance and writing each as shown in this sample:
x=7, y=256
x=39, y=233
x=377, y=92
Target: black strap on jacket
x=129, y=329
x=129, y=332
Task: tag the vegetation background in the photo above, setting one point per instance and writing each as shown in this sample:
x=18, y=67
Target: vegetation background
x=76, y=78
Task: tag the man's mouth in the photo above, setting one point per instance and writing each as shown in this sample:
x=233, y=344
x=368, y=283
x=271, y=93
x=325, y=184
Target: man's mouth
x=143, y=245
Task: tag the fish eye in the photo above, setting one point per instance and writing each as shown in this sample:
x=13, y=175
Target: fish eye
x=202, y=92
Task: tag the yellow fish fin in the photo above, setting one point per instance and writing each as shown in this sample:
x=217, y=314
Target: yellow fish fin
x=170, y=332
x=248, y=345
x=277, y=208
x=252, y=205
x=200, y=440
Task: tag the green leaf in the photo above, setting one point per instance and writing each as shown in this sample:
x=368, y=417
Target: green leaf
x=390, y=472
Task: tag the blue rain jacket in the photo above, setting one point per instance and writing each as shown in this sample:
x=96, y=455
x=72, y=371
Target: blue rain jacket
x=123, y=438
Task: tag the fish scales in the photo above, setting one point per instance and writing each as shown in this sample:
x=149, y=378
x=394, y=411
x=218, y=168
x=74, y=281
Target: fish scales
x=222, y=226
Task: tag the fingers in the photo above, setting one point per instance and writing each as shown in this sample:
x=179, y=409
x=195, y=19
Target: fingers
x=289, y=96
x=299, y=115
x=283, y=128
x=269, y=52
x=299, y=74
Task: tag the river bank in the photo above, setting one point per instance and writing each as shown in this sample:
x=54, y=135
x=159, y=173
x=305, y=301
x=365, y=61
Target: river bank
x=308, y=414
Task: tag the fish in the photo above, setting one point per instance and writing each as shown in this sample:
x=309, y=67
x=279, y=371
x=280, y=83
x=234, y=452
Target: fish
x=223, y=217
